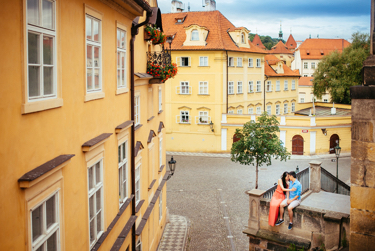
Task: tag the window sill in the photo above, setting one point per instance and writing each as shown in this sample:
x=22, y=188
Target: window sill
x=230, y=93
x=184, y=66
x=202, y=123
x=250, y=67
x=277, y=91
x=204, y=94
x=41, y=105
x=293, y=89
x=268, y=91
x=250, y=92
x=185, y=123
x=148, y=120
x=139, y=205
x=122, y=90
x=239, y=66
x=161, y=168
x=160, y=111
x=94, y=96
x=184, y=93
x=203, y=66
x=230, y=65
x=286, y=90
x=258, y=91
x=137, y=127
x=239, y=93
x=258, y=67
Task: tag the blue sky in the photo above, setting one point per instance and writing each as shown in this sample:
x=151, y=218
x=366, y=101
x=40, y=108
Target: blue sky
x=326, y=18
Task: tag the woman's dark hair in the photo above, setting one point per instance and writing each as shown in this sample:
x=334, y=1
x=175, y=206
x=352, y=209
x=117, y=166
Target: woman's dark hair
x=284, y=181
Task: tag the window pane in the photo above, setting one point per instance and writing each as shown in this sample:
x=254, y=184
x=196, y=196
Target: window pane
x=33, y=11
x=51, y=211
x=97, y=174
x=91, y=205
x=96, y=31
x=48, y=50
x=119, y=154
x=96, y=57
x=33, y=48
x=89, y=79
x=37, y=222
x=98, y=200
x=88, y=28
x=34, y=81
x=99, y=222
x=124, y=151
x=91, y=178
x=48, y=80
x=92, y=230
x=120, y=182
x=47, y=14
x=96, y=78
x=118, y=59
x=40, y=248
x=52, y=242
x=89, y=56
x=118, y=38
x=123, y=40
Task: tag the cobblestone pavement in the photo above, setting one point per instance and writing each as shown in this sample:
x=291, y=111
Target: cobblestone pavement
x=210, y=192
x=175, y=234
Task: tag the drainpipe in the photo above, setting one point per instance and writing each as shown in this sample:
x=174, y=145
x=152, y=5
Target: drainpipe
x=227, y=80
x=134, y=32
x=264, y=93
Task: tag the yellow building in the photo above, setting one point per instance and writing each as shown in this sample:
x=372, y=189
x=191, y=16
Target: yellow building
x=305, y=92
x=71, y=178
x=282, y=52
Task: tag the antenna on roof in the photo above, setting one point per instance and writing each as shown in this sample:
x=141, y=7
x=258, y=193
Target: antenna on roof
x=310, y=36
x=188, y=6
x=203, y=5
x=317, y=36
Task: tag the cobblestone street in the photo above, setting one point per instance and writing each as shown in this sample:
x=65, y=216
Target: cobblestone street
x=210, y=193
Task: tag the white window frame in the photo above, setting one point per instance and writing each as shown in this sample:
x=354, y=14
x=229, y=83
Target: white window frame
x=286, y=85
x=203, y=61
x=137, y=193
x=41, y=31
x=97, y=44
x=277, y=110
x=259, y=110
x=239, y=87
x=195, y=35
x=160, y=152
x=259, y=86
x=250, y=62
x=305, y=65
x=312, y=65
x=293, y=84
x=239, y=111
x=230, y=87
x=201, y=115
x=92, y=193
x=269, y=109
x=230, y=61
x=160, y=99
x=239, y=62
x=160, y=206
x=123, y=172
x=285, y=108
x=293, y=106
x=250, y=110
x=184, y=88
x=137, y=110
x=325, y=100
x=277, y=85
x=179, y=61
x=269, y=86
x=258, y=63
x=121, y=54
x=184, y=113
x=203, y=88
x=231, y=112
x=242, y=38
x=302, y=100
x=251, y=86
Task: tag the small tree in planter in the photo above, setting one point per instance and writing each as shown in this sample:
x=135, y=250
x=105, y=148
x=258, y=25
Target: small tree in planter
x=257, y=143
x=154, y=34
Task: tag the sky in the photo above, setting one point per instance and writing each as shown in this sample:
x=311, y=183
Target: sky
x=323, y=18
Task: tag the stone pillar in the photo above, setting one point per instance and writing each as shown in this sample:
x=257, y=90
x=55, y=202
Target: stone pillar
x=254, y=212
x=315, y=176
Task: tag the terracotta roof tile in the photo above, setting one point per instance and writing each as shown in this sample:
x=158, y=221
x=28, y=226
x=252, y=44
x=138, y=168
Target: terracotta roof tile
x=270, y=72
x=258, y=42
x=218, y=26
x=271, y=59
x=291, y=43
x=280, y=48
x=316, y=48
x=305, y=81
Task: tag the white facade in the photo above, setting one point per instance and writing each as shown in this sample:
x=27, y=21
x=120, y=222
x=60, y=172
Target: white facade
x=301, y=65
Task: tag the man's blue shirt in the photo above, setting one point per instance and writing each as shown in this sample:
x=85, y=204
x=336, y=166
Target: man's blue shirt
x=298, y=186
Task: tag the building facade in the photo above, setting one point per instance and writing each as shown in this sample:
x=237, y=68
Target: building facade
x=305, y=92
x=67, y=180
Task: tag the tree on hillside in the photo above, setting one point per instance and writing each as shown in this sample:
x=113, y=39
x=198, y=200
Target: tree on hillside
x=337, y=72
x=267, y=41
x=257, y=143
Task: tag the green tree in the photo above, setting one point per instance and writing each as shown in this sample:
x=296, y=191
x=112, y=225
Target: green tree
x=258, y=143
x=337, y=72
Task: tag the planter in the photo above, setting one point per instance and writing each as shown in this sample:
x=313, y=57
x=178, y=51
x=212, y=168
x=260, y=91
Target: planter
x=147, y=36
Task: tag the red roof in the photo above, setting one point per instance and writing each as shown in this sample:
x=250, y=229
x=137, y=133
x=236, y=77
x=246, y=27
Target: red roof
x=218, y=26
x=316, y=48
x=270, y=72
x=291, y=43
x=305, y=81
x=258, y=42
x=271, y=59
x=280, y=48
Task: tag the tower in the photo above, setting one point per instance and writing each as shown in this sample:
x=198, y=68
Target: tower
x=280, y=33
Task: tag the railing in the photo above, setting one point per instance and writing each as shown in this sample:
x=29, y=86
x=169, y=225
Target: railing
x=330, y=182
x=303, y=177
x=161, y=58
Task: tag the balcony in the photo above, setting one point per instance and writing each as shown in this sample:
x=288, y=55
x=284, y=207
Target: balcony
x=159, y=65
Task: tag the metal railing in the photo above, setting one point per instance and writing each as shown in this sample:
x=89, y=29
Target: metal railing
x=329, y=183
x=161, y=58
x=303, y=177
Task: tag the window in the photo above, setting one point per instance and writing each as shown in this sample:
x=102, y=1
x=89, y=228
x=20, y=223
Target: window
x=258, y=62
x=195, y=35
x=305, y=65
x=259, y=86
x=137, y=110
x=160, y=100
x=95, y=185
x=251, y=110
x=277, y=109
x=230, y=88
x=278, y=85
x=251, y=86
x=268, y=109
x=242, y=38
x=239, y=87
x=160, y=151
x=45, y=224
x=203, y=61
x=251, y=62
x=137, y=184
x=123, y=171
x=93, y=54
x=326, y=100
x=285, y=108
x=259, y=110
x=269, y=86
x=302, y=100
x=121, y=58
x=239, y=62
x=184, y=117
x=312, y=65
x=41, y=49
x=285, y=85
x=239, y=111
x=203, y=118
x=203, y=88
x=183, y=61
x=293, y=84
x=305, y=75
x=293, y=106
x=230, y=61
x=160, y=206
x=230, y=112
x=184, y=88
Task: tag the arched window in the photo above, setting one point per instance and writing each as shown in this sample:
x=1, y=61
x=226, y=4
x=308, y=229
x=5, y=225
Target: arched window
x=242, y=38
x=195, y=35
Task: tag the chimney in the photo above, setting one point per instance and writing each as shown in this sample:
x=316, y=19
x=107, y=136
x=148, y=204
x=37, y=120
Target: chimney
x=210, y=5
x=177, y=6
x=333, y=110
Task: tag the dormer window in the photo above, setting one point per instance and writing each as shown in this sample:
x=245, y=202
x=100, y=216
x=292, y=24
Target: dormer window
x=242, y=38
x=195, y=35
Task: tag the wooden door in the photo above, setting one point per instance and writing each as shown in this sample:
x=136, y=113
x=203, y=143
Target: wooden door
x=235, y=139
x=333, y=141
x=297, y=145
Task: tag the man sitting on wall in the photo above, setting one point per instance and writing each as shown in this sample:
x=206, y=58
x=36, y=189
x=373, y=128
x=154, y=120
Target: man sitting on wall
x=294, y=201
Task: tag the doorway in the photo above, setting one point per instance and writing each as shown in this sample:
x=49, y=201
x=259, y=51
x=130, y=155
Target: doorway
x=333, y=141
x=297, y=145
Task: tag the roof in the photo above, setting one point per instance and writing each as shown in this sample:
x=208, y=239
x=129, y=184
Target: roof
x=324, y=111
x=271, y=59
x=270, y=72
x=258, y=42
x=217, y=25
x=291, y=43
x=316, y=48
x=280, y=48
x=305, y=81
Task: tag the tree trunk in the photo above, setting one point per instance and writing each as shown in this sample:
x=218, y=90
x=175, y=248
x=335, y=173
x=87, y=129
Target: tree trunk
x=256, y=179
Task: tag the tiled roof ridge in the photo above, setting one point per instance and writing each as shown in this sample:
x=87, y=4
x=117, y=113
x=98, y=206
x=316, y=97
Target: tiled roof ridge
x=189, y=12
x=220, y=37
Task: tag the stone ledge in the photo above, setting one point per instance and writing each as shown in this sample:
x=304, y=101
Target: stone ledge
x=362, y=92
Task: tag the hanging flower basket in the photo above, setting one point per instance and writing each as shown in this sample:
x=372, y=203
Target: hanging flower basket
x=165, y=73
x=147, y=35
x=156, y=36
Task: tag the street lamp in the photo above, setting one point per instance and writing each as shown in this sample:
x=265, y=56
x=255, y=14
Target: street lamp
x=212, y=126
x=172, y=167
x=337, y=152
